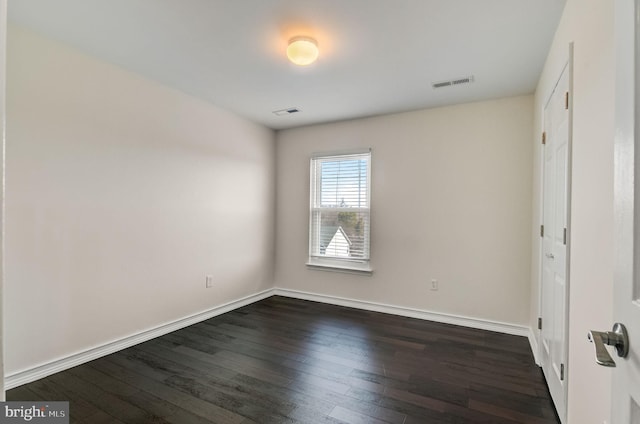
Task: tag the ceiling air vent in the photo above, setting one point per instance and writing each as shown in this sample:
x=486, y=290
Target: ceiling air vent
x=449, y=83
x=288, y=111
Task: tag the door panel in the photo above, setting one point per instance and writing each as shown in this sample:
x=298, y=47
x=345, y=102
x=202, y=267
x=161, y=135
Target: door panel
x=626, y=288
x=635, y=413
x=554, y=250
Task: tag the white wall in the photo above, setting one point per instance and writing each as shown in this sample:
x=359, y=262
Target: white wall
x=122, y=195
x=589, y=24
x=451, y=200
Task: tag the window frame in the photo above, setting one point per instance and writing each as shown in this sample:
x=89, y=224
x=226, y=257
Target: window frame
x=349, y=265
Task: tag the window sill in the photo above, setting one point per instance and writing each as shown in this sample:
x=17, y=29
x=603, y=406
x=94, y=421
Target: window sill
x=349, y=268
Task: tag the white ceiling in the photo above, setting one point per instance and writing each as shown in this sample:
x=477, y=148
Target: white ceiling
x=376, y=56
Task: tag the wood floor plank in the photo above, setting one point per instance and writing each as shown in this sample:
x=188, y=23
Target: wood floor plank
x=352, y=417
x=197, y=406
x=285, y=360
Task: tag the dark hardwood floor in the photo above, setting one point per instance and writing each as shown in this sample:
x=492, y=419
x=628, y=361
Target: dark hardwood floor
x=291, y=361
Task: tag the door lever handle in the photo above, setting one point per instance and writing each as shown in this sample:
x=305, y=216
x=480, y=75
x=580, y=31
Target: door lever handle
x=617, y=338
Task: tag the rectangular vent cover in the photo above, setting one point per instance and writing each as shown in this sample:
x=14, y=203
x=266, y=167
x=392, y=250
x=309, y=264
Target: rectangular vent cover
x=449, y=83
x=287, y=111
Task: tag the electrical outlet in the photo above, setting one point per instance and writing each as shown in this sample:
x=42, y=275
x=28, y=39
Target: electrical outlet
x=208, y=281
x=434, y=284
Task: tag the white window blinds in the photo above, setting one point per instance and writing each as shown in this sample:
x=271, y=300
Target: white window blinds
x=340, y=207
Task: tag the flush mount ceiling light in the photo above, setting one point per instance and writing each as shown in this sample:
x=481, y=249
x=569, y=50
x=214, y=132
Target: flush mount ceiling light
x=302, y=51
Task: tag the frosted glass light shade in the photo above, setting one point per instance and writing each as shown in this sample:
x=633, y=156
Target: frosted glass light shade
x=302, y=50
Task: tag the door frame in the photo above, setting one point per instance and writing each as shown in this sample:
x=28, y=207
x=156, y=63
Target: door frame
x=568, y=67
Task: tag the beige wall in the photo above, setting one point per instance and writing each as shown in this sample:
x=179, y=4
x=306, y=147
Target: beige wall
x=3, y=34
x=122, y=195
x=589, y=24
x=451, y=200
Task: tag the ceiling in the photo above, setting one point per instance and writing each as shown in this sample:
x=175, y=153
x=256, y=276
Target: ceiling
x=376, y=56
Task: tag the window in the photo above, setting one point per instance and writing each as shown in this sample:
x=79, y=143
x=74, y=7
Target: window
x=340, y=210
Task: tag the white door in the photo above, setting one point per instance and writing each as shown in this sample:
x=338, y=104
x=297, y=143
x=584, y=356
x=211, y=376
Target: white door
x=626, y=307
x=554, y=289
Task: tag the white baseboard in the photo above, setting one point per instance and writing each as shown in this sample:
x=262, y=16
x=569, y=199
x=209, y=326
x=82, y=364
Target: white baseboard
x=533, y=342
x=35, y=373
x=482, y=324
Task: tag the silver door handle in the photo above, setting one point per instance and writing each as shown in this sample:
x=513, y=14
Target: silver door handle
x=550, y=255
x=617, y=337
